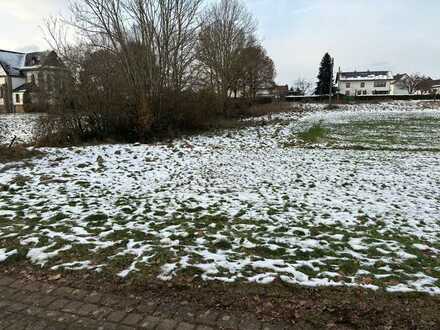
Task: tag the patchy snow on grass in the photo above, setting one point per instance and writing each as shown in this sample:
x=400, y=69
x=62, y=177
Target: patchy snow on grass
x=5, y=255
x=240, y=205
x=21, y=126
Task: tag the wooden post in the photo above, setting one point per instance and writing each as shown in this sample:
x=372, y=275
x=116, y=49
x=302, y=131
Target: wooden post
x=330, y=92
x=12, y=142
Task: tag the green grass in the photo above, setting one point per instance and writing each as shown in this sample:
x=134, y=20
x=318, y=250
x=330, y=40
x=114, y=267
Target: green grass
x=412, y=131
x=313, y=134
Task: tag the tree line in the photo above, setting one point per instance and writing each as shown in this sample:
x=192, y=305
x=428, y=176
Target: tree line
x=138, y=67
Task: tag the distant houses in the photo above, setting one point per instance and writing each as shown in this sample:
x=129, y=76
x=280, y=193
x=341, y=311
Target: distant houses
x=367, y=83
x=380, y=83
x=21, y=74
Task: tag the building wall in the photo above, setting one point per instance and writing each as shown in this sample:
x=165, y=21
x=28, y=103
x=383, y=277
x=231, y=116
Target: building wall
x=365, y=87
x=19, y=108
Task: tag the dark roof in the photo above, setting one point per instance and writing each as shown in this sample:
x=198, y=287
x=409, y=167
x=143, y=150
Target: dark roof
x=25, y=87
x=10, y=51
x=49, y=58
x=10, y=71
x=363, y=74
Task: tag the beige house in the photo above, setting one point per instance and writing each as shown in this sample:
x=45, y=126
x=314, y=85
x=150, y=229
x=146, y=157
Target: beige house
x=20, y=73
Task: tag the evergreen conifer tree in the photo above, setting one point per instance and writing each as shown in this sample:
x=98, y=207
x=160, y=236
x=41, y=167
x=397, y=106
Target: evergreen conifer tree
x=325, y=75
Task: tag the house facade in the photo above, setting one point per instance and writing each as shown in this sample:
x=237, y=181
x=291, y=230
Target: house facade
x=21, y=74
x=365, y=83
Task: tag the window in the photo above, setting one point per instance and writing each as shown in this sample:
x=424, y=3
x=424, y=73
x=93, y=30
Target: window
x=1, y=91
x=17, y=98
x=365, y=93
x=363, y=85
x=359, y=93
x=347, y=93
x=380, y=92
x=380, y=84
x=33, y=78
x=347, y=85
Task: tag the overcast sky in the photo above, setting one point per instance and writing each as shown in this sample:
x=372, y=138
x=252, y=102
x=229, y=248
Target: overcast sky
x=397, y=35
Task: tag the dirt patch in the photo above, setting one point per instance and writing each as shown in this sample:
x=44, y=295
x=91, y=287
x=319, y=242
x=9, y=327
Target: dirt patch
x=305, y=308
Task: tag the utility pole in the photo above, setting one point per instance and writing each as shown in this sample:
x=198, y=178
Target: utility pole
x=330, y=91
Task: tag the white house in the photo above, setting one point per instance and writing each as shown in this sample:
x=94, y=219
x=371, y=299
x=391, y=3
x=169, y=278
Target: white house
x=20, y=72
x=365, y=83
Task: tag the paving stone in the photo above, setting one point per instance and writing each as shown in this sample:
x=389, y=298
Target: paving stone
x=150, y=322
x=276, y=326
x=185, y=326
x=19, y=325
x=108, y=326
x=64, y=292
x=87, y=323
x=79, y=294
x=66, y=318
x=204, y=327
x=227, y=321
x=44, y=301
x=116, y=316
x=48, y=288
x=19, y=284
x=166, y=325
x=16, y=307
x=101, y=313
x=93, y=298
x=208, y=317
x=87, y=309
x=20, y=296
x=38, y=325
x=132, y=319
x=6, y=281
x=7, y=292
x=72, y=307
x=6, y=319
x=36, y=311
x=33, y=287
x=110, y=300
x=58, y=304
x=249, y=322
x=147, y=308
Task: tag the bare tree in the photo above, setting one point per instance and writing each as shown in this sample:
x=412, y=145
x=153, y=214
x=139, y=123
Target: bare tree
x=303, y=86
x=414, y=82
x=227, y=27
x=257, y=70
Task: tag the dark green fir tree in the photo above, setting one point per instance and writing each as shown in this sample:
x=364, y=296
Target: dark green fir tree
x=325, y=76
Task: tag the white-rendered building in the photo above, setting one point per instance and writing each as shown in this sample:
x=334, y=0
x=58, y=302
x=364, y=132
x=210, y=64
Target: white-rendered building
x=365, y=83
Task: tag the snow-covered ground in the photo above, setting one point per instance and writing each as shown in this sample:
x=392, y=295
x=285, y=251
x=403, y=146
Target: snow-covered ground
x=240, y=205
x=17, y=125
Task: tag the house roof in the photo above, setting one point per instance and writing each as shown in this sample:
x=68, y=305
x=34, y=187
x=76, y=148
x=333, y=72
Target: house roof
x=364, y=75
x=14, y=62
x=23, y=88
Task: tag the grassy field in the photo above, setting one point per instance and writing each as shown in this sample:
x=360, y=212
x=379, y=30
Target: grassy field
x=374, y=130
x=244, y=205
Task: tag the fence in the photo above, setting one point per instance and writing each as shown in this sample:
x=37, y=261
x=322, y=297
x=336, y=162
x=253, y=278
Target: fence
x=362, y=99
